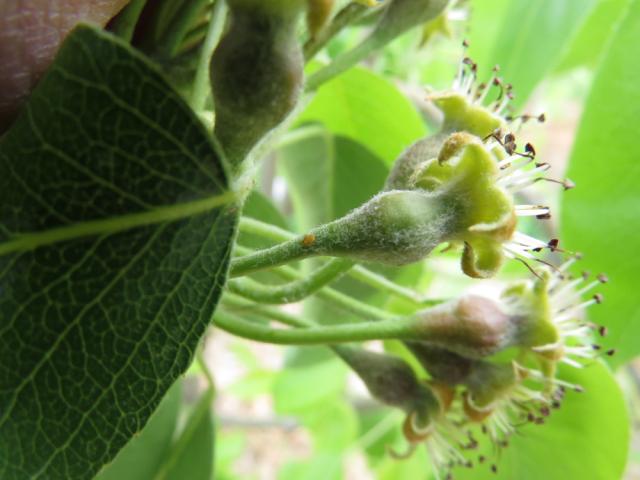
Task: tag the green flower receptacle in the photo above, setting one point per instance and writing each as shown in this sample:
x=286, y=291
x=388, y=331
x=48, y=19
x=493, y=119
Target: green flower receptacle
x=462, y=115
x=465, y=175
x=395, y=228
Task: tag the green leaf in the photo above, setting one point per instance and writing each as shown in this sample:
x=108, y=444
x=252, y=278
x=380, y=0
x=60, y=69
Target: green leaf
x=192, y=454
x=532, y=39
x=114, y=244
x=416, y=467
x=261, y=208
x=320, y=174
x=485, y=16
x=333, y=425
x=229, y=448
x=324, y=466
x=591, y=41
x=298, y=389
x=600, y=217
x=143, y=455
x=587, y=438
x=369, y=109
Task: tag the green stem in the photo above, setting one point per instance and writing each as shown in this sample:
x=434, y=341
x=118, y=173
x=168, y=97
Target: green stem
x=201, y=87
x=342, y=63
x=349, y=14
x=275, y=256
x=302, y=133
x=327, y=294
x=360, y=273
x=239, y=304
x=396, y=328
x=398, y=17
x=179, y=25
x=284, y=271
x=295, y=290
x=125, y=23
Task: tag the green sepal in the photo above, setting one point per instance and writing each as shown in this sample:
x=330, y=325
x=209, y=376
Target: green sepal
x=485, y=213
x=460, y=114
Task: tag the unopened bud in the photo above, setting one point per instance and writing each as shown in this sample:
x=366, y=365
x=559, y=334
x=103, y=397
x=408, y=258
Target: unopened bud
x=401, y=15
x=390, y=379
x=318, y=12
x=256, y=73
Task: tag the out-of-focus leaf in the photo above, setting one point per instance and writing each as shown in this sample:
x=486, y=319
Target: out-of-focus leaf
x=192, y=455
x=369, y=109
x=297, y=389
x=601, y=217
x=417, y=467
x=532, y=39
x=328, y=176
x=261, y=208
x=258, y=379
x=592, y=39
x=333, y=425
x=485, y=19
x=229, y=447
x=586, y=438
x=144, y=454
x=324, y=466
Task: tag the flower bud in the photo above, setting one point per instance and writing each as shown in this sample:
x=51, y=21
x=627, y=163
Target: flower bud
x=390, y=380
x=462, y=196
x=256, y=73
x=400, y=177
x=454, y=200
x=443, y=365
x=318, y=12
x=393, y=382
x=401, y=15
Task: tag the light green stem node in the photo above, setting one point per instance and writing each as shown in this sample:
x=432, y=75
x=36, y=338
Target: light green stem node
x=398, y=17
x=295, y=290
x=358, y=272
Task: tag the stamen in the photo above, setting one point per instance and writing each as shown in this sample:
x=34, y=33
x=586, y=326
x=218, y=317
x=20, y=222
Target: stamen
x=532, y=210
x=566, y=183
x=530, y=242
x=519, y=178
x=524, y=262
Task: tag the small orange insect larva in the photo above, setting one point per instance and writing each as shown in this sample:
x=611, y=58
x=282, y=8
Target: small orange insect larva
x=308, y=240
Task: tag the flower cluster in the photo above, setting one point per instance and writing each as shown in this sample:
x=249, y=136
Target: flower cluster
x=518, y=385
x=492, y=363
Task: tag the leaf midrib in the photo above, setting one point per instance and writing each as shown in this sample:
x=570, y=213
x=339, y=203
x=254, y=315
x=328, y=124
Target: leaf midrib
x=30, y=241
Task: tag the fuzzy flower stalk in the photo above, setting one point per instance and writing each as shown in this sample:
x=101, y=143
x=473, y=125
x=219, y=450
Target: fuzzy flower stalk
x=456, y=187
